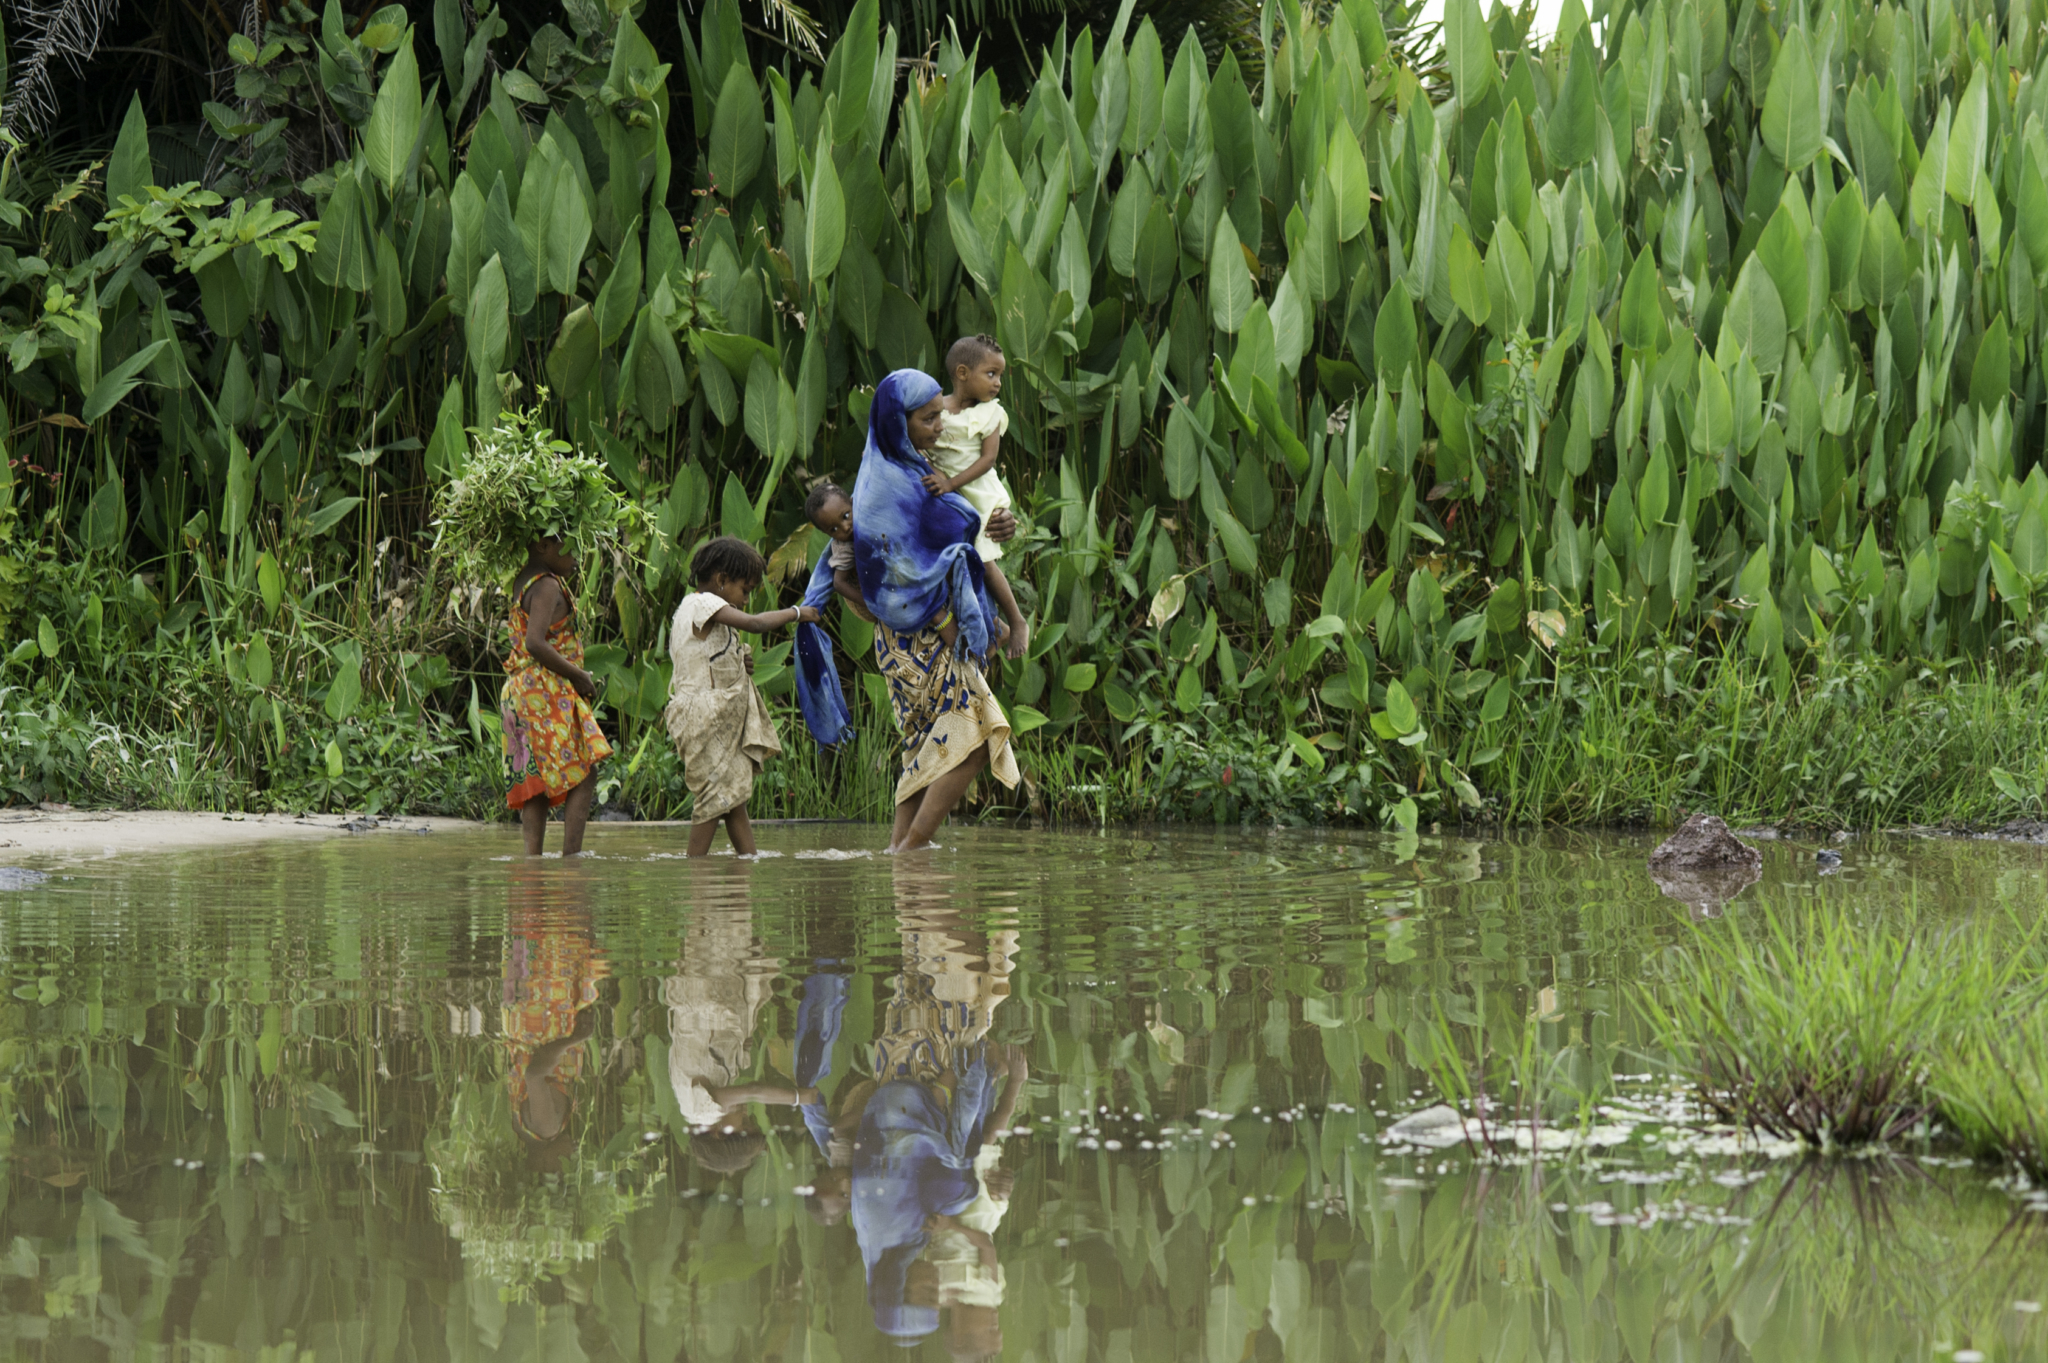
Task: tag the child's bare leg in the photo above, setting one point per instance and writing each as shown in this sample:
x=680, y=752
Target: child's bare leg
x=905, y=813
x=940, y=797
x=533, y=824
x=701, y=835
x=576, y=813
x=741, y=830
x=1006, y=600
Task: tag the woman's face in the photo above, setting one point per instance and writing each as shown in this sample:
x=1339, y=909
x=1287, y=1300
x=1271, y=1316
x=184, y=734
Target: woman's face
x=924, y=424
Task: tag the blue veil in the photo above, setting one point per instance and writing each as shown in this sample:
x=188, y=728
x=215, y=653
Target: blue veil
x=913, y=550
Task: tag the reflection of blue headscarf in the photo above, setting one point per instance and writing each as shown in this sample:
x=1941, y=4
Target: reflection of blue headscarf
x=817, y=1032
x=817, y=674
x=913, y=1159
x=913, y=549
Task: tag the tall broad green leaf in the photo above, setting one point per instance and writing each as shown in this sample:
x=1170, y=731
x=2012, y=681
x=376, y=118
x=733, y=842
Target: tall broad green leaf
x=2032, y=218
x=1468, y=50
x=1755, y=317
x=130, y=171
x=342, y=256
x=1394, y=343
x=503, y=239
x=860, y=292
x=119, y=381
x=573, y=358
x=1782, y=249
x=1230, y=279
x=1573, y=131
x=1713, y=422
x=1127, y=220
x=1642, y=319
x=1024, y=321
x=1147, y=63
x=1348, y=182
x=739, y=132
x=1966, y=139
x=489, y=321
x=618, y=302
x=1885, y=266
x=824, y=212
x=1510, y=279
x=1183, y=454
x=1842, y=231
x=1930, y=181
x=1791, y=126
x=394, y=126
x=1468, y=273
x=1158, y=258
x=1991, y=371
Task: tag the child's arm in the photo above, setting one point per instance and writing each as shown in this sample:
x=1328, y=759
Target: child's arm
x=545, y=606
x=848, y=586
x=940, y=484
x=765, y=623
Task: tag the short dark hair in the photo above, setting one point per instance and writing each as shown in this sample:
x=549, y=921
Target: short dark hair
x=968, y=349
x=820, y=495
x=729, y=558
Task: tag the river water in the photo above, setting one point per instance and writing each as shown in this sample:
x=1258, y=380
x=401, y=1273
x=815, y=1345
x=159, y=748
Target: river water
x=1066, y=1097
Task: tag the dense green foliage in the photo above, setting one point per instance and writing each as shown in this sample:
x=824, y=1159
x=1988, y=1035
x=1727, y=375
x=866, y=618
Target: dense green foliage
x=1366, y=413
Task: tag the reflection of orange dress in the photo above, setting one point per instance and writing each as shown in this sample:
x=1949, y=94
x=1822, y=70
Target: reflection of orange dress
x=551, y=736
x=552, y=967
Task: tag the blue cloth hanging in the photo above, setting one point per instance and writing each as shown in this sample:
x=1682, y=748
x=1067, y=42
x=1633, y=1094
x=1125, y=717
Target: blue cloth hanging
x=913, y=549
x=817, y=674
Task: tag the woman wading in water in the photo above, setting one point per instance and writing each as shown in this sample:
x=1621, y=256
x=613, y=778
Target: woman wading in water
x=913, y=551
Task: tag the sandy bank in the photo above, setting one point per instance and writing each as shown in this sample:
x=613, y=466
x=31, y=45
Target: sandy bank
x=44, y=834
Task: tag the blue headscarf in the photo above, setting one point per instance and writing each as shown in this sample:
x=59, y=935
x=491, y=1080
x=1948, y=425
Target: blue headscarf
x=913, y=549
x=817, y=675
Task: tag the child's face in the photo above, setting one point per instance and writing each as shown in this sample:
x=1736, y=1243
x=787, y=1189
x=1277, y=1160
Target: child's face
x=981, y=381
x=735, y=590
x=835, y=518
x=924, y=424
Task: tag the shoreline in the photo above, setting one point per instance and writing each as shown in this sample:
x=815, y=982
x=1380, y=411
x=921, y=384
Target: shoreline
x=91, y=834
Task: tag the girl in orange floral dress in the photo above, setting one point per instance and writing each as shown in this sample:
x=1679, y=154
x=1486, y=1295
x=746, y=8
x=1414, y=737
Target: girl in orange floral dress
x=551, y=735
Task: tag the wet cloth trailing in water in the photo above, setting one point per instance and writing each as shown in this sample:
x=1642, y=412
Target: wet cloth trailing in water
x=718, y=721
x=913, y=551
x=551, y=736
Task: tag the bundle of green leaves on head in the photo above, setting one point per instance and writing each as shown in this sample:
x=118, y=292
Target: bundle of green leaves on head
x=522, y=485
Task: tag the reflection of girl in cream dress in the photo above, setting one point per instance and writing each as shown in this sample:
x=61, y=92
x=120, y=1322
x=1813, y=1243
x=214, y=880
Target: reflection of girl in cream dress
x=714, y=1000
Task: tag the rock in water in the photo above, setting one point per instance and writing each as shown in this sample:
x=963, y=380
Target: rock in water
x=1703, y=843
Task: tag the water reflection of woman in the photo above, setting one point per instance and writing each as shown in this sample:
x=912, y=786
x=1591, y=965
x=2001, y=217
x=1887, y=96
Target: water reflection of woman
x=714, y=1000
x=550, y=976
x=925, y=1129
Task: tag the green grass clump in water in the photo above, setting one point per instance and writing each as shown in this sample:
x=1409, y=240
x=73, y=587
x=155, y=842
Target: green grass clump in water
x=1843, y=1033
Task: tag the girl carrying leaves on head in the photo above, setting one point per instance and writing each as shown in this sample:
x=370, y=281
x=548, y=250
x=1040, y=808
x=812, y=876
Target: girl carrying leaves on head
x=529, y=508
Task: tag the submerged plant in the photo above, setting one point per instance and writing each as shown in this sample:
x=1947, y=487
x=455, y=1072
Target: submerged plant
x=521, y=485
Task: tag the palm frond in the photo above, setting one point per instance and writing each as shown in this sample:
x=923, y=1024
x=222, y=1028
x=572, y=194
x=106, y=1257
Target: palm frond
x=53, y=34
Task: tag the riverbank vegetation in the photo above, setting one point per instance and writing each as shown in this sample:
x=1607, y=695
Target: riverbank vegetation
x=1413, y=423
x=1845, y=1032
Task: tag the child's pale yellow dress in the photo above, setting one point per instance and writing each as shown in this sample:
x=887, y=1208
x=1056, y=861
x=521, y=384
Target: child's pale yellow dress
x=718, y=721
x=958, y=446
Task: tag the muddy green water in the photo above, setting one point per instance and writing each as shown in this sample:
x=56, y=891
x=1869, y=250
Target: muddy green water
x=1118, y=1097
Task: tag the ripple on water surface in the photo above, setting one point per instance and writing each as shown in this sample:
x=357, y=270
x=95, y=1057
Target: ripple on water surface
x=1132, y=1096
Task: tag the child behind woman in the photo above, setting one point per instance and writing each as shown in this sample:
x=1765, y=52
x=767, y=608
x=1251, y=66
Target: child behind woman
x=716, y=717
x=971, y=432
